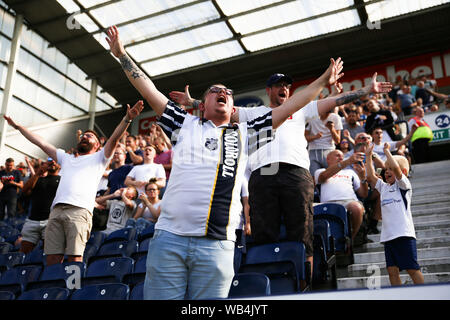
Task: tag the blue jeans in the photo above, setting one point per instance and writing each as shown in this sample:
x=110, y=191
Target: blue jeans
x=180, y=267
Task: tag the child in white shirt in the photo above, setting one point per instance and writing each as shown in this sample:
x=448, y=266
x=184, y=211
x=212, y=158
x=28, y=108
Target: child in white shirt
x=397, y=233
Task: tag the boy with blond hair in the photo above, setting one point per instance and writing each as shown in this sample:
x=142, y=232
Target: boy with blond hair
x=397, y=233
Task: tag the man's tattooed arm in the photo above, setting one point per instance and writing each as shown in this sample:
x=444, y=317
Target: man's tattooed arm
x=352, y=96
x=129, y=66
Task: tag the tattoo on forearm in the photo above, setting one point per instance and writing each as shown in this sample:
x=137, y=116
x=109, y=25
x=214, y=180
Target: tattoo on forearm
x=350, y=97
x=129, y=66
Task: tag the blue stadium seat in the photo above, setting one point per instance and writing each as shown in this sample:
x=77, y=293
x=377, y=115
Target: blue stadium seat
x=106, y=291
x=35, y=257
x=89, y=252
x=322, y=227
x=96, y=238
x=124, y=234
x=324, y=266
x=7, y=295
x=46, y=294
x=336, y=215
x=137, y=293
x=250, y=284
x=8, y=231
x=138, y=274
x=142, y=249
x=5, y=247
x=57, y=274
x=146, y=233
x=107, y=270
x=283, y=262
x=16, y=278
x=10, y=259
x=123, y=248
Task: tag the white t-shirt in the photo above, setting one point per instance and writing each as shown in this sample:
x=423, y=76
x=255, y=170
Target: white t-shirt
x=339, y=187
x=145, y=172
x=317, y=125
x=119, y=213
x=289, y=143
x=147, y=214
x=378, y=149
x=103, y=184
x=203, y=195
x=80, y=177
x=396, y=209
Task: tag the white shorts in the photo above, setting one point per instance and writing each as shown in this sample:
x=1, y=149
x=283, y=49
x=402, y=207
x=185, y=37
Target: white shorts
x=33, y=231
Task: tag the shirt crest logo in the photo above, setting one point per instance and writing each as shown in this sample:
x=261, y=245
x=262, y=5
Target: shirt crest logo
x=211, y=143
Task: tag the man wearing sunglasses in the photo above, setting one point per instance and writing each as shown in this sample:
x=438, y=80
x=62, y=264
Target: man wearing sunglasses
x=70, y=220
x=280, y=184
x=191, y=253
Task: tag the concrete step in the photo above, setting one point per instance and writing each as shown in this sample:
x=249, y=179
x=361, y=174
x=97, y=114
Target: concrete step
x=421, y=244
x=432, y=217
x=432, y=225
x=420, y=234
x=433, y=265
x=429, y=190
x=427, y=199
x=432, y=205
x=425, y=253
x=430, y=211
x=433, y=182
x=373, y=282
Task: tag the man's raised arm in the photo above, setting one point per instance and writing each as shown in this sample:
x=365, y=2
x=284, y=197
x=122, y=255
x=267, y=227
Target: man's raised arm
x=138, y=79
x=132, y=113
x=329, y=103
x=48, y=148
x=303, y=97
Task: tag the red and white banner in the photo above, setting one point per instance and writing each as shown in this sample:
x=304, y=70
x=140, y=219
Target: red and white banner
x=435, y=64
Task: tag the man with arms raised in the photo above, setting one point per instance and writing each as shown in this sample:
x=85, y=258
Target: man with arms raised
x=191, y=253
x=70, y=220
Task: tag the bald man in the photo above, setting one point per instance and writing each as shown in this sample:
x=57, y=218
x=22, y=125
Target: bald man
x=343, y=185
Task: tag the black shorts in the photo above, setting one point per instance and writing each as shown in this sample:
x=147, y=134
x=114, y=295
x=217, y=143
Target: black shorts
x=286, y=196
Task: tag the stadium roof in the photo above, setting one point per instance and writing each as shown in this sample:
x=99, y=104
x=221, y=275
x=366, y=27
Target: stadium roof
x=238, y=43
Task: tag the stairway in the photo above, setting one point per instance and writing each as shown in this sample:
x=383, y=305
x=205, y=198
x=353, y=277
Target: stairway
x=431, y=215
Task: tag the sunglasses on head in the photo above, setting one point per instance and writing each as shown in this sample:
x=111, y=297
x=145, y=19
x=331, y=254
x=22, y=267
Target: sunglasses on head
x=215, y=89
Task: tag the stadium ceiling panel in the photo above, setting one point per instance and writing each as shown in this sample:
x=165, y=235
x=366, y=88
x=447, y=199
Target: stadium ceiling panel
x=186, y=41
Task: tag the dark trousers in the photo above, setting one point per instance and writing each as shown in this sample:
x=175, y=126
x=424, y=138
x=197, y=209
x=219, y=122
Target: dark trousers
x=421, y=150
x=8, y=204
x=287, y=195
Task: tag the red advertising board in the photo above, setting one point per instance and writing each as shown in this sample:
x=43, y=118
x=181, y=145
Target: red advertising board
x=436, y=63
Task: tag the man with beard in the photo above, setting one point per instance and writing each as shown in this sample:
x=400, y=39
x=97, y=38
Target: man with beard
x=42, y=188
x=70, y=221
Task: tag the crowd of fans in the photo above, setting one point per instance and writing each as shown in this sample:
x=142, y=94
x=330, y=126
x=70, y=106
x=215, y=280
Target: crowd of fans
x=135, y=180
x=375, y=118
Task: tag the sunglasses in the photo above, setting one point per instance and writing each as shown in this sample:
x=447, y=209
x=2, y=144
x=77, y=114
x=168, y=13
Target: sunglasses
x=215, y=89
x=151, y=190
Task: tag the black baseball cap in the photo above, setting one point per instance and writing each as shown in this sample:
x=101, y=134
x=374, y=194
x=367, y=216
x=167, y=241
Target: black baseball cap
x=277, y=77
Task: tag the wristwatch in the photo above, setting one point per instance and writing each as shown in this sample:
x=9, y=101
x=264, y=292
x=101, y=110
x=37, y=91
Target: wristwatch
x=364, y=181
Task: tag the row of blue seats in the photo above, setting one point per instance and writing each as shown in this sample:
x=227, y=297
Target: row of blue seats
x=106, y=291
x=283, y=263
x=74, y=274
